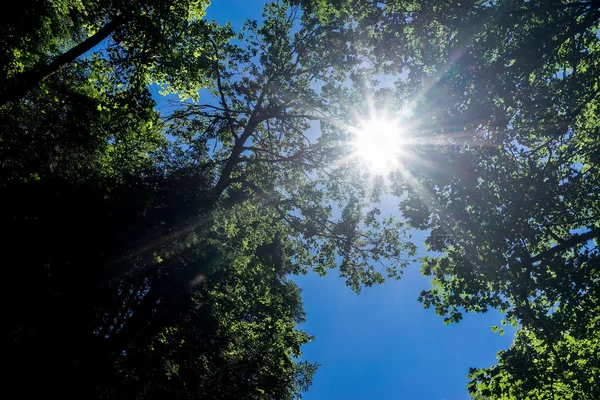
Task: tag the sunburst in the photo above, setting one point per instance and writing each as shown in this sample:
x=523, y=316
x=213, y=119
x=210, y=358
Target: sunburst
x=378, y=143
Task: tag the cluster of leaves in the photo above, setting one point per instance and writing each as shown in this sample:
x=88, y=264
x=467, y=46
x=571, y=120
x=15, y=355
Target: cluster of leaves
x=505, y=98
x=40, y=38
x=149, y=254
x=270, y=84
x=533, y=369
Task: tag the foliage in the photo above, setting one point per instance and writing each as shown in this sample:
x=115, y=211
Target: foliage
x=531, y=369
x=149, y=256
x=505, y=101
x=41, y=37
x=269, y=87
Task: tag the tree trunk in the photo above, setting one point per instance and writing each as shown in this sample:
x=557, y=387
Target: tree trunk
x=21, y=84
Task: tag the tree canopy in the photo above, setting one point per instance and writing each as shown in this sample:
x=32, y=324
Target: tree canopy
x=152, y=251
x=505, y=98
x=505, y=95
x=152, y=237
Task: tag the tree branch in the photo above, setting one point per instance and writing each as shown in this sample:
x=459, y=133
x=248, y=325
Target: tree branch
x=567, y=244
x=26, y=81
x=238, y=147
x=220, y=87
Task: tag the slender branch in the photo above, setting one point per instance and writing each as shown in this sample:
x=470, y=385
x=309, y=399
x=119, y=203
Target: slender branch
x=28, y=80
x=220, y=87
x=273, y=161
x=201, y=106
x=567, y=244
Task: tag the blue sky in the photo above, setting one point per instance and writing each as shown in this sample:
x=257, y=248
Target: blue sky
x=382, y=344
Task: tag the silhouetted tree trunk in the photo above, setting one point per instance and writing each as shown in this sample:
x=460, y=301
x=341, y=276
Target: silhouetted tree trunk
x=20, y=85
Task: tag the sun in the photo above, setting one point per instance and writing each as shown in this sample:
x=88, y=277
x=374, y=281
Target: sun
x=378, y=143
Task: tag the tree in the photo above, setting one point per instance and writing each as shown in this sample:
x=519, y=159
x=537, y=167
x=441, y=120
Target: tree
x=507, y=107
x=505, y=98
x=153, y=268
x=258, y=125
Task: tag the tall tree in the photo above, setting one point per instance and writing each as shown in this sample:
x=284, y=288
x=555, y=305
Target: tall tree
x=505, y=100
x=507, y=107
x=152, y=268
